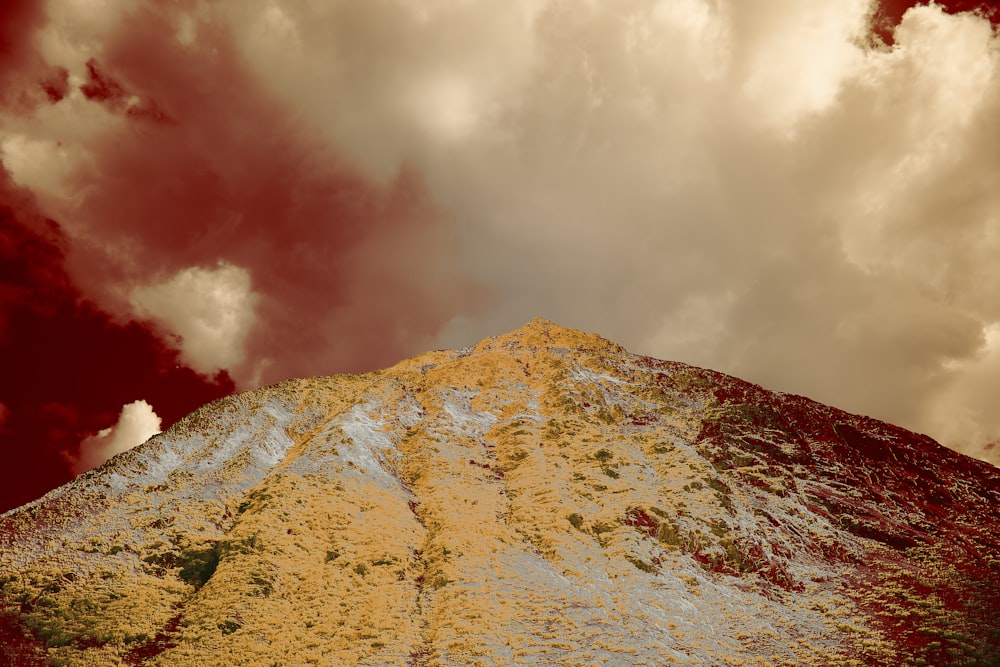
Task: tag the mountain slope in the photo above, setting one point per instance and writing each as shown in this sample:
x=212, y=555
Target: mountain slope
x=544, y=497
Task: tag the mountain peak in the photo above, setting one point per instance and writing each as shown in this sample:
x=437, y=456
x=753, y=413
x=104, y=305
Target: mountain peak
x=596, y=506
x=541, y=333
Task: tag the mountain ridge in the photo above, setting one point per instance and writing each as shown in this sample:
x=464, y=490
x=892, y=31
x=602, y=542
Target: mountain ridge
x=594, y=505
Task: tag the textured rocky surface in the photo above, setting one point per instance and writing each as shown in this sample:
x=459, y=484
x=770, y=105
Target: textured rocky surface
x=544, y=498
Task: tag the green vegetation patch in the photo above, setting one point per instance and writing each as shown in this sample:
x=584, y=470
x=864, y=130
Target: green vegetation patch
x=639, y=563
x=758, y=415
x=198, y=565
x=228, y=627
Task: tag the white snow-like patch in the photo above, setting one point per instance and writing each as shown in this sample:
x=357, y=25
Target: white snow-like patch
x=359, y=425
x=584, y=375
x=462, y=352
x=533, y=407
x=270, y=450
x=361, y=436
x=458, y=429
x=159, y=459
x=358, y=444
x=608, y=385
x=408, y=412
x=261, y=434
x=465, y=420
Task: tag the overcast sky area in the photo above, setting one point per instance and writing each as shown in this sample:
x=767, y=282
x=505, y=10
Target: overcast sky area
x=202, y=197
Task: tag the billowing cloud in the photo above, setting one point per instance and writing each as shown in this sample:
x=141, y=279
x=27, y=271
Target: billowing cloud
x=136, y=424
x=760, y=187
x=68, y=366
x=170, y=154
x=26, y=79
x=211, y=311
x=752, y=186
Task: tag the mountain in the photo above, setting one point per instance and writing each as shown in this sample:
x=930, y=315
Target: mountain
x=542, y=498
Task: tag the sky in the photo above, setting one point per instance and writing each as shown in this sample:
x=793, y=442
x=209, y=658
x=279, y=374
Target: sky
x=200, y=197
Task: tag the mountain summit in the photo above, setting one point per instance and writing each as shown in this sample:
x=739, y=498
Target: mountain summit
x=541, y=498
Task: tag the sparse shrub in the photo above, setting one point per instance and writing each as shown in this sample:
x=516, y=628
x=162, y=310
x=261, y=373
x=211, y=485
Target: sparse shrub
x=668, y=534
x=576, y=520
x=600, y=527
x=248, y=545
x=256, y=500
x=639, y=563
x=228, y=627
x=264, y=586
x=758, y=415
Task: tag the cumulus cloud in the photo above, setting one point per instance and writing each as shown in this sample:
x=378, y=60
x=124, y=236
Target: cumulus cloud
x=179, y=158
x=211, y=311
x=750, y=186
x=68, y=366
x=755, y=186
x=136, y=424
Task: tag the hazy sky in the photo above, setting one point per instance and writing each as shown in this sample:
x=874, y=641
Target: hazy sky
x=206, y=196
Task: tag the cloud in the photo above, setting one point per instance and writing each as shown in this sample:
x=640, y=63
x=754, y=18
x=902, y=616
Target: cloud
x=748, y=186
x=179, y=159
x=211, y=311
x=69, y=366
x=755, y=186
x=26, y=79
x=136, y=424
x=967, y=412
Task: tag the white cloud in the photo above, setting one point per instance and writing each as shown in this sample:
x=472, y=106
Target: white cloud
x=746, y=185
x=966, y=412
x=792, y=56
x=739, y=183
x=136, y=424
x=211, y=311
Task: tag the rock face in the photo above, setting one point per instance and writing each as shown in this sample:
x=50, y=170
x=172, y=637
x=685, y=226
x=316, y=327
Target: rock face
x=542, y=498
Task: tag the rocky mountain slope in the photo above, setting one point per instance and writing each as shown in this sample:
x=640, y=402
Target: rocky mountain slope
x=542, y=498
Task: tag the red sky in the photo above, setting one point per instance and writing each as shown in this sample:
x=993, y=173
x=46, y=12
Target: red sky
x=201, y=200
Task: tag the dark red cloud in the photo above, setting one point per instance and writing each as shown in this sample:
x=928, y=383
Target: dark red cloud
x=351, y=275
x=67, y=367
x=26, y=80
x=19, y=19
x=206, y=167
x=890, y=13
